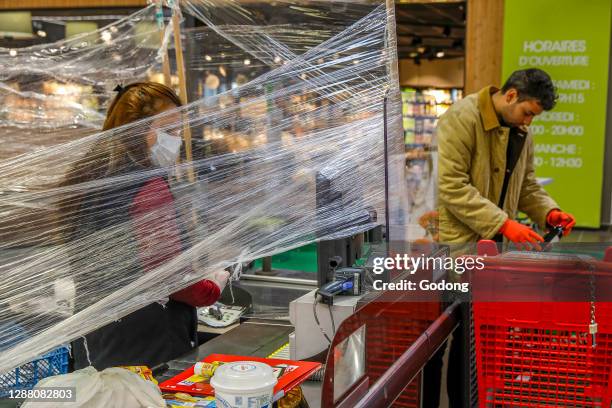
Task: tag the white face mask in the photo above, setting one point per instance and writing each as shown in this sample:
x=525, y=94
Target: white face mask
x=166, y=150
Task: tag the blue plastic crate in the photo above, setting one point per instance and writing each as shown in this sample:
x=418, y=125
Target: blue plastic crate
x=26, y=376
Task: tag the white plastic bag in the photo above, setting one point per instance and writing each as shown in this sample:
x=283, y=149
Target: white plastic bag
x=112, y=388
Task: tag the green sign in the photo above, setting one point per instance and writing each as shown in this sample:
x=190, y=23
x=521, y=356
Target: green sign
x=570, y=40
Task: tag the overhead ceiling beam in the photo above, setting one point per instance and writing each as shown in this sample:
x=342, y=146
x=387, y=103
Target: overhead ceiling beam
x=427, y=1
x=409, y=48
x=444, y=43
x=68, y=4
x=405, y=14
x=429, y=24
x=444, y=14
x=410, y=30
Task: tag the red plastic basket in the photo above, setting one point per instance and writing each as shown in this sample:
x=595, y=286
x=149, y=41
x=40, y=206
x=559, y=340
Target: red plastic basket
x=539, y=352
x=542, y=355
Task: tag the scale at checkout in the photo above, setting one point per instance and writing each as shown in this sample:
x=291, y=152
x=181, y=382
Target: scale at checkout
x=308, y=339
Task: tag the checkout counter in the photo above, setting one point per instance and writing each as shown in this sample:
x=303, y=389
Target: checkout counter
x=253, y=337
x=380, y=344
x=363, y=333
x=265, y=329
x=279, y=319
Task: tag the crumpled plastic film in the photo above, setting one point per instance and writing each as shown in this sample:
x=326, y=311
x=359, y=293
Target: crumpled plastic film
x=54, y=93
x=310, y=166
x=225, y=64
x=114, y=387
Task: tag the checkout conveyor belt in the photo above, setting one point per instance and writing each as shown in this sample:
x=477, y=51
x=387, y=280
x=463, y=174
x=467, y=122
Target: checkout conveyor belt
x=257, y=338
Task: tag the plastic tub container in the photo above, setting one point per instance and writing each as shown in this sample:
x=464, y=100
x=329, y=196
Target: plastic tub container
x=243, y=384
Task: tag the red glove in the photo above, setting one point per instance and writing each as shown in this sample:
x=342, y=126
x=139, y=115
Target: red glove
x=558, y=217
x=523, y=236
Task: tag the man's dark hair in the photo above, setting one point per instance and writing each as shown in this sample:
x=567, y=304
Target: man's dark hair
x=535, y=84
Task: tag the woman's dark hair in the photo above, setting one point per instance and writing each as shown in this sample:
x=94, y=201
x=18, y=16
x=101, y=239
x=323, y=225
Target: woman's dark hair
x=535, y=84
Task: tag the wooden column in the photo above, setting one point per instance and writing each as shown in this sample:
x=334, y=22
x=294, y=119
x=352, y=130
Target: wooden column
x=166, y=63
x=484, y=43
x=180, y=68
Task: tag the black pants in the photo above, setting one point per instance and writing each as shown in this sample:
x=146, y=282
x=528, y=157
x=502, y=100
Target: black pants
x=459, y=374
x=432, y=379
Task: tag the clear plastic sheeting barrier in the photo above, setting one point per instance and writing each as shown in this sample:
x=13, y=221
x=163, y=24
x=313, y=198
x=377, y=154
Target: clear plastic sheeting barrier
x=77, y=250
x=51, y=93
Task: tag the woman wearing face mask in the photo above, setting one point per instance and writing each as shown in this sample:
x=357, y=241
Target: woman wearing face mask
x=144, y=209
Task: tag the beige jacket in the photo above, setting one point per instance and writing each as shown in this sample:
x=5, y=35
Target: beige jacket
x=472, y=160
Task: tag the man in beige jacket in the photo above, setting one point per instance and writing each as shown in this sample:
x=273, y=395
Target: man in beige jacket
x=486, y=172
x=485, y=175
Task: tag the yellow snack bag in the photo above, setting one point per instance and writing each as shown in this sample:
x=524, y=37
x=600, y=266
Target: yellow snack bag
x=143, y=371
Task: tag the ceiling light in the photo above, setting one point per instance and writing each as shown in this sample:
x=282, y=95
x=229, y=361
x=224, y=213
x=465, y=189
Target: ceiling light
x=247, y=62
x=278, y=60
x=208, y=58
x=222, y=71
x=106, y=36
x=41, y=33
x=413, y=54
x=421, y=50
x=12, y=53
x=440, y=54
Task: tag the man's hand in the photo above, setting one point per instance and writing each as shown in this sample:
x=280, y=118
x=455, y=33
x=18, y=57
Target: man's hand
x=560, y=218
x=523, y=236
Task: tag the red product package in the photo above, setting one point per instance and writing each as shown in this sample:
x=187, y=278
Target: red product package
x=288, y=372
